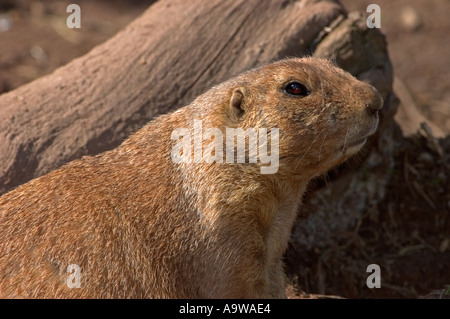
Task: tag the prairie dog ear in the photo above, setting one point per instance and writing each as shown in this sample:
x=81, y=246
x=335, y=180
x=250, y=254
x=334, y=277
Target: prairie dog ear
x=237, y=103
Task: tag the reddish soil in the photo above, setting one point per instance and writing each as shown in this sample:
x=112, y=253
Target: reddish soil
x=38, y=40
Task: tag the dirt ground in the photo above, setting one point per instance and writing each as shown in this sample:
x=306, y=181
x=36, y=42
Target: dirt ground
x=409, y=237
x=35, y=40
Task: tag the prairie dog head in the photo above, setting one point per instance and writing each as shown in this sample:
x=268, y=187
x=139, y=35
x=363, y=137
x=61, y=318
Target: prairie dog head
x=323, y=113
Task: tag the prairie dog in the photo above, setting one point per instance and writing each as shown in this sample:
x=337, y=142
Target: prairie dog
x=138, y=224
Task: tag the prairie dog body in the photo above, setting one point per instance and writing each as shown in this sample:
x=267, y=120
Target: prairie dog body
x=139, y=225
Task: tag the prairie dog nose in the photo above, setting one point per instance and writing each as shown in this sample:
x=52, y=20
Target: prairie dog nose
x=371, y=97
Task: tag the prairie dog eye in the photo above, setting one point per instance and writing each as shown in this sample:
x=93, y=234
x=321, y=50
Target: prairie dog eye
x=296, y=89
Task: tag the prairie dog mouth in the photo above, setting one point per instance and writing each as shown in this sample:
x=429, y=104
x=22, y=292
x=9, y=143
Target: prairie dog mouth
x=357, y=142
x=365, y=135
x=355, y=145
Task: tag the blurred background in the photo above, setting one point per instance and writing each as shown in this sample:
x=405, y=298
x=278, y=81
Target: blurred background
x=415, y=246
x=418, y=35
x=35, y=40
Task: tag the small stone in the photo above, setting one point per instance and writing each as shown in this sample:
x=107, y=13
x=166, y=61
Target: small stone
x=426, y=158
x=39, y=55
x=442, y=176
x=5, y=23
x=410, y=19
x=444, y=245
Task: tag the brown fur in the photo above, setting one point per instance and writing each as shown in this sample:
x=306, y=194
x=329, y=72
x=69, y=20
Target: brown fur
x=141, y=226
